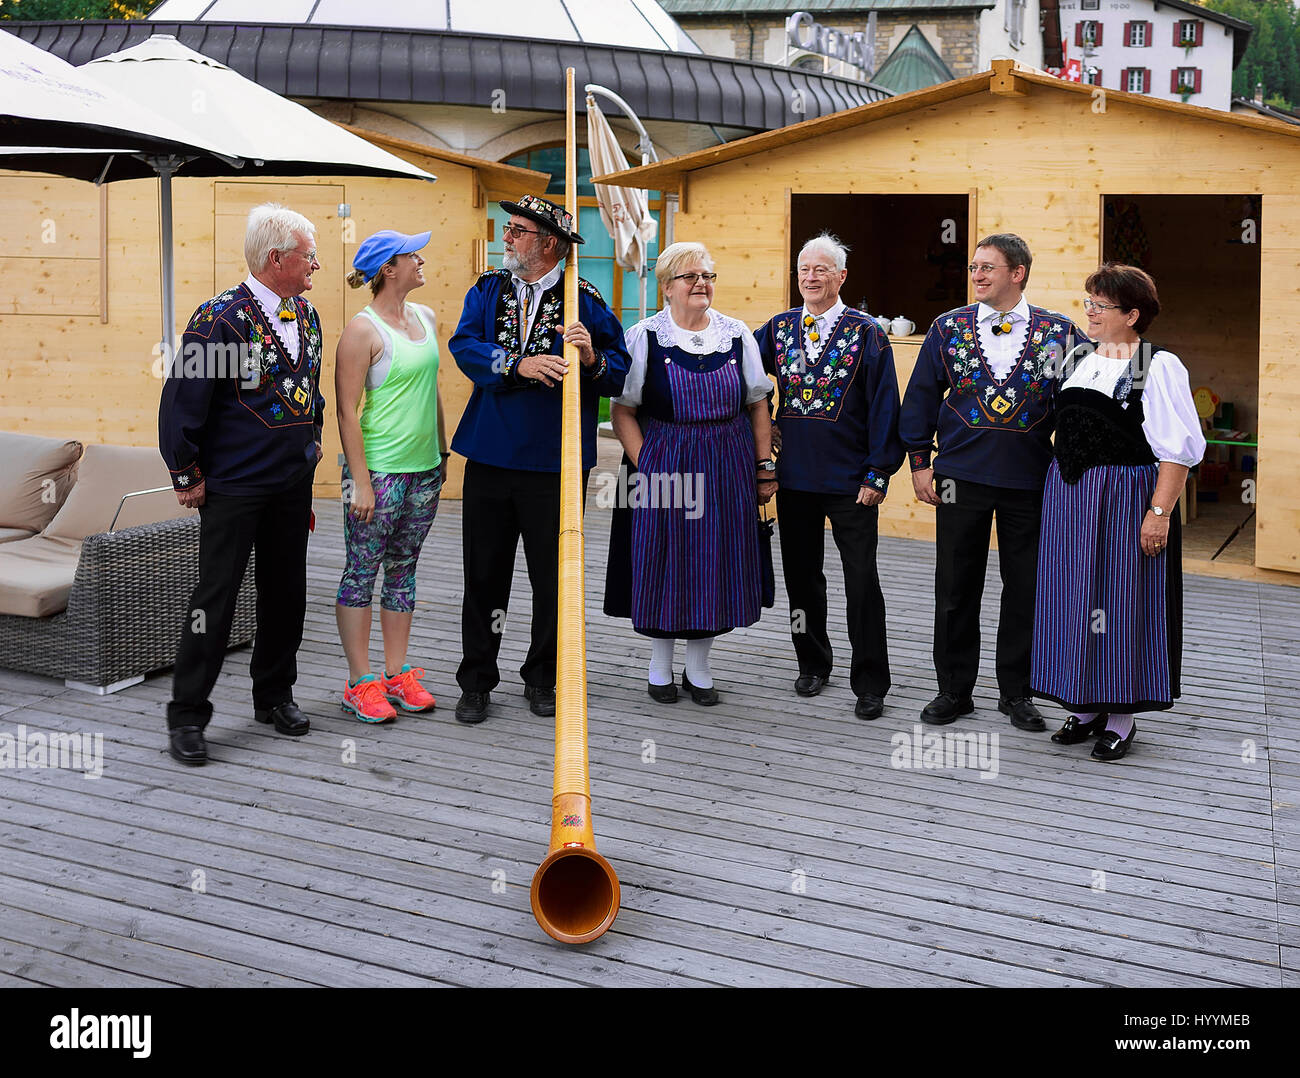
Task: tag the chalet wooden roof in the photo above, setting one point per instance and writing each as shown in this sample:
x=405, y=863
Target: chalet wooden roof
x=1005, y=79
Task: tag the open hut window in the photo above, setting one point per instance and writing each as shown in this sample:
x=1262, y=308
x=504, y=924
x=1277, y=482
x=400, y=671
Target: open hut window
x=907, y=253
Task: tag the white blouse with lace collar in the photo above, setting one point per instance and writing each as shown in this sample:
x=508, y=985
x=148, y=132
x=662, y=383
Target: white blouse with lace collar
x=715, y=337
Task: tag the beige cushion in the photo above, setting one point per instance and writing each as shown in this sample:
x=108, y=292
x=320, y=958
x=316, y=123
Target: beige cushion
x=8, y=535
x=27, y=500
x=36, y=575
x=106, y=473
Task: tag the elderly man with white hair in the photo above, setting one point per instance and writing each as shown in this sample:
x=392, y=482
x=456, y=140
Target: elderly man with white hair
x=838, y=423
x=239, y=425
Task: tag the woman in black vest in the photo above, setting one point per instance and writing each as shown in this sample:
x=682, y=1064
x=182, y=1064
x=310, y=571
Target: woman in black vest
x=1108, y=614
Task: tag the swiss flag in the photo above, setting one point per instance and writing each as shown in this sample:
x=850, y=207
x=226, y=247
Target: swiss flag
x=1073, y=71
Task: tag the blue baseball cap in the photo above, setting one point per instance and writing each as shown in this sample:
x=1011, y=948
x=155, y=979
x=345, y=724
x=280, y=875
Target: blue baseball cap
x=377, y=249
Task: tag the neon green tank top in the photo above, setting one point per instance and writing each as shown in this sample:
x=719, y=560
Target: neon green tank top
x=399, y=420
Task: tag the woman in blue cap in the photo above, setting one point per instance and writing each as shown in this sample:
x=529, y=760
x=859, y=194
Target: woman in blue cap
x=396, y=462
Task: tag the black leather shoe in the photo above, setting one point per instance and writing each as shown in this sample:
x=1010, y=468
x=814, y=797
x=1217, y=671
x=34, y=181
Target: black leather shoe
x=186, y=744
x=869, y=706
x=664, y=694
x=472, y=706
x=1110, y=746
x=810, y=684
x=288, y=718
x=541, y=700
x=945, y=708
x=1075, y=732
x=1024, y=715
x=703, y=697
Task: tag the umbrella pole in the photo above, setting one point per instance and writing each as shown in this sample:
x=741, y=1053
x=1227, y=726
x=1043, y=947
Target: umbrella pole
x=165, y=166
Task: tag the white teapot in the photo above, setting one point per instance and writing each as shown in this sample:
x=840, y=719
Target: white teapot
x=902, y=327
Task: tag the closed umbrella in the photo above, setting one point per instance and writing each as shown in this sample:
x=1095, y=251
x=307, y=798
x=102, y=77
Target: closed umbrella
x=625, y=211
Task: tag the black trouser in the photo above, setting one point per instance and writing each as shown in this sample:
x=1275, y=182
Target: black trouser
x=964, y=517
x=802, y=523
x=498, y=506
x=232, y=525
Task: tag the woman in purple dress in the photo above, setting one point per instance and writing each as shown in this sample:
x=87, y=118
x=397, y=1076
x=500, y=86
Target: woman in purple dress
x=696, y=429
x=1108, y=616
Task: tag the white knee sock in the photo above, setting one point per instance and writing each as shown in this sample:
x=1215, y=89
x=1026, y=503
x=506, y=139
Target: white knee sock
x=661, y=661
x=697, y=662
x=1120, y=724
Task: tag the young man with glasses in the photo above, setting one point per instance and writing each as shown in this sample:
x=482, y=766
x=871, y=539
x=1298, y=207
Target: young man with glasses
x=510, y=343
x=838, y=423
x=983, y=389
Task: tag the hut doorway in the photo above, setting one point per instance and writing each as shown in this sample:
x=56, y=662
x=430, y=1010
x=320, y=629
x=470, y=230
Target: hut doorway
x=907, y=253
x=1204, y=253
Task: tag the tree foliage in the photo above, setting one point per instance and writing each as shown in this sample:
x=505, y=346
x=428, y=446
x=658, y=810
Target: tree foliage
x=64, y=10
x=1273, y=55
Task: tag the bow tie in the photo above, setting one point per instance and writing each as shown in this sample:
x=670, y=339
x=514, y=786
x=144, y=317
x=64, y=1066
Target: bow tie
x=1002, y=323
x=287, y=311
x=809, y=321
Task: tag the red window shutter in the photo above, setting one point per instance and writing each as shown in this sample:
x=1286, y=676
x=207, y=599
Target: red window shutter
x=1151, y=34
x=1178, y=32
x=1196, y=86
x=1146, y=80
x=1128, y=33
x=1098, y=41
x=1173, y=81
x=1078, y=33
x=1200, y=31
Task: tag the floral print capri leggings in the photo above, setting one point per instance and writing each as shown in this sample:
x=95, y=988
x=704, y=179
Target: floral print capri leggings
x=405, y=505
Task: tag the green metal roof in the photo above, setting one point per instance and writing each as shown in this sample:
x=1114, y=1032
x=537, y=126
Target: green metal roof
x=783, y=8
x=913, y=65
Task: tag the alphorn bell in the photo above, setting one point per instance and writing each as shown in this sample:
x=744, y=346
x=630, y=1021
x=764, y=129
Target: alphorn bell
x=575, y=892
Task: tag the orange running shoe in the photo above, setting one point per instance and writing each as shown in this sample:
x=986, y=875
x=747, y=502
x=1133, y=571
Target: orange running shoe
x=404, y=689
x=366, y=700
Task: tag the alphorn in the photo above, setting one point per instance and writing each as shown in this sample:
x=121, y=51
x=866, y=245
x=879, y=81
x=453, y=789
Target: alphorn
x=575, y=891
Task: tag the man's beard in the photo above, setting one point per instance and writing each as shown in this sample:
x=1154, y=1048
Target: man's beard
x=515, y=264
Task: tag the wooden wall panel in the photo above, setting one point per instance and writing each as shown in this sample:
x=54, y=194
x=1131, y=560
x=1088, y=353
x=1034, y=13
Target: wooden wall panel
x=1277, y=533
x=50, y=258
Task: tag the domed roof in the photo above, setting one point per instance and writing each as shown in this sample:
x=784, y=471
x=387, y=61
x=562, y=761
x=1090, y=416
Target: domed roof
x=637, y=24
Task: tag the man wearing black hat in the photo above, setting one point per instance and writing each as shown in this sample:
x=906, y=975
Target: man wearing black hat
x=510, y=343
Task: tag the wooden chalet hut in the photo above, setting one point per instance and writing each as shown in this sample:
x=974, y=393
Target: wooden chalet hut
x=1207, y=201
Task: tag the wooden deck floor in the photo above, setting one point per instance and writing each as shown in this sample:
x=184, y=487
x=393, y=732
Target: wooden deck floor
x=767, y=841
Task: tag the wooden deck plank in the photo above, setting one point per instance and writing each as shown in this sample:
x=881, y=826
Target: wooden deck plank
x=909, y=877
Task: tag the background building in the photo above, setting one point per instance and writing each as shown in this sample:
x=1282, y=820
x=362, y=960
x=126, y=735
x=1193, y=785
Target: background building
x=966, y=35
x=1163, y=48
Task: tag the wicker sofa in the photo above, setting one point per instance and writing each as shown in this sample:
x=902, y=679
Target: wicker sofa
x=97, y=563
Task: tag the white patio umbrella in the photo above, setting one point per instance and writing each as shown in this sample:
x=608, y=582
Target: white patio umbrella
x=45, y=101
x=220, y=107
x=625, y=211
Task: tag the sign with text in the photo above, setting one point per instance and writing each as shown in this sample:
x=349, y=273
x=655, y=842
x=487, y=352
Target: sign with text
x=803, y=32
